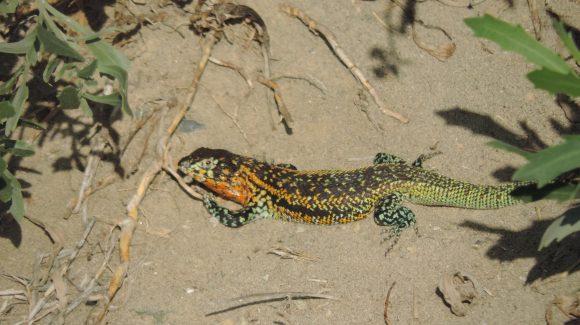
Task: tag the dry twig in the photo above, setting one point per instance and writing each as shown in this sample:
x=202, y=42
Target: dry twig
x=318, y=84
x=387, y=302
x=327, y=35
x=277, y=97
x=441, y=52
x=129, y=224
x=289, y=253
x=97, y=148
x=269, y=297
x=234, y=67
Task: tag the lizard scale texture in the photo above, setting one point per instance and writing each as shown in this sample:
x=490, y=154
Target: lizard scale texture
x=331, y=196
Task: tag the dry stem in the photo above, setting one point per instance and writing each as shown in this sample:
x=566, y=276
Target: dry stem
x=129, y=224
x=97, y=148
x=327, y=35
x=387, y=303
x=234, y=67
x=268, y=297
x=277, y=97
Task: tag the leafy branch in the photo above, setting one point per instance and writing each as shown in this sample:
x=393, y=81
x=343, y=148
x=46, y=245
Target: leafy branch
x=556, y=77
x=73, y=65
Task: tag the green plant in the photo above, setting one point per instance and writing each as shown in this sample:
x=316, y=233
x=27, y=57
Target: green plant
x=75, y=59
x=556, y=77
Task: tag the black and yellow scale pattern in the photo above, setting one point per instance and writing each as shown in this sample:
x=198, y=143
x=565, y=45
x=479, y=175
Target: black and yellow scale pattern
x=329, y=197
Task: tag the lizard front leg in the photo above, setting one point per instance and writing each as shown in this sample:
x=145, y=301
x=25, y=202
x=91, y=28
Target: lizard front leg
x=234, y=219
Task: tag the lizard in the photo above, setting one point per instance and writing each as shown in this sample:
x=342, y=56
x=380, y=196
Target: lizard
x=328, y=197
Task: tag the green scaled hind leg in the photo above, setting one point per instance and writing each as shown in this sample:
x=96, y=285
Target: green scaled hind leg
x=227, y=217
x=387, y=158
x=389, y=212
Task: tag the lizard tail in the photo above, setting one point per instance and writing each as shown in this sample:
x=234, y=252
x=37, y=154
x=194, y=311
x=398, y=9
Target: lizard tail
x=470, y=196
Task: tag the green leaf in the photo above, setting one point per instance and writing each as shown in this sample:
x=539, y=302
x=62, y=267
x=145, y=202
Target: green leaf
x=545, y=165
x=8, y=6
x=113, y=99
x=55, y=45
x=514, y=38
x=30, y=124
x=121, y=75
x=5, y=186
x=22, y=149
x=6, y=110
x=560, y=192
x=107, y=55
x=69, y=98
x=556, y=83
x=3, y=165
x=65, y=71
x=85, y=108
x=567, y=40
x=50, y=68
x=31, y=56
x=6, y=88
x=88, y=71
x=17, y=147
x=20, y=47
x=18, y=103
x=508, y=147
x=116, y=72
x=17, y=206
x=86, y=32
x=562, y=227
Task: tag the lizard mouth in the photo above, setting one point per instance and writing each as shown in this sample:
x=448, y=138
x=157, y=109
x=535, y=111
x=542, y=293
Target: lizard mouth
x=227, y=190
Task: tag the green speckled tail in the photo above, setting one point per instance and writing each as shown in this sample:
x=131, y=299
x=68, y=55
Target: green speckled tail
x=452, y=193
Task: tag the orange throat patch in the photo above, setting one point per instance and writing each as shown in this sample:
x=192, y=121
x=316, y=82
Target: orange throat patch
x=232, y=190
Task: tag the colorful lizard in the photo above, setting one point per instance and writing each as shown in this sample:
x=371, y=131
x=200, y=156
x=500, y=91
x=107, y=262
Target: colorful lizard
x=332, y=196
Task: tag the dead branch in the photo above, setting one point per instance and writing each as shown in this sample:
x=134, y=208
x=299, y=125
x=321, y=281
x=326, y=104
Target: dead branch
x=277, y=97
x=441, y=52
x=318, y=84
x=129, y=224
x=97, y=148
x=289, y=253
x=169, y=169
x=269, y=297
x=234, y=67
x=139, y=126
x=327, y=35
x=387, y=303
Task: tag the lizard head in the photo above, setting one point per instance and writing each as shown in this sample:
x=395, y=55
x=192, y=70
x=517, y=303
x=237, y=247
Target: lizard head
x=218, y=171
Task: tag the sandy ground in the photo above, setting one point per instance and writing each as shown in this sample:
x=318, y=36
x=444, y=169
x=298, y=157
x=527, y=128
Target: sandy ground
x=185, y=265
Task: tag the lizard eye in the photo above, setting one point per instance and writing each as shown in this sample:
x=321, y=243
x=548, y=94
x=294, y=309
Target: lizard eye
x=206, y=163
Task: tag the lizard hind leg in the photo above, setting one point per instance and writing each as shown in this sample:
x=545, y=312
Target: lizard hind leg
x=227, y=217
x=389, y=212
x=387, y=158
